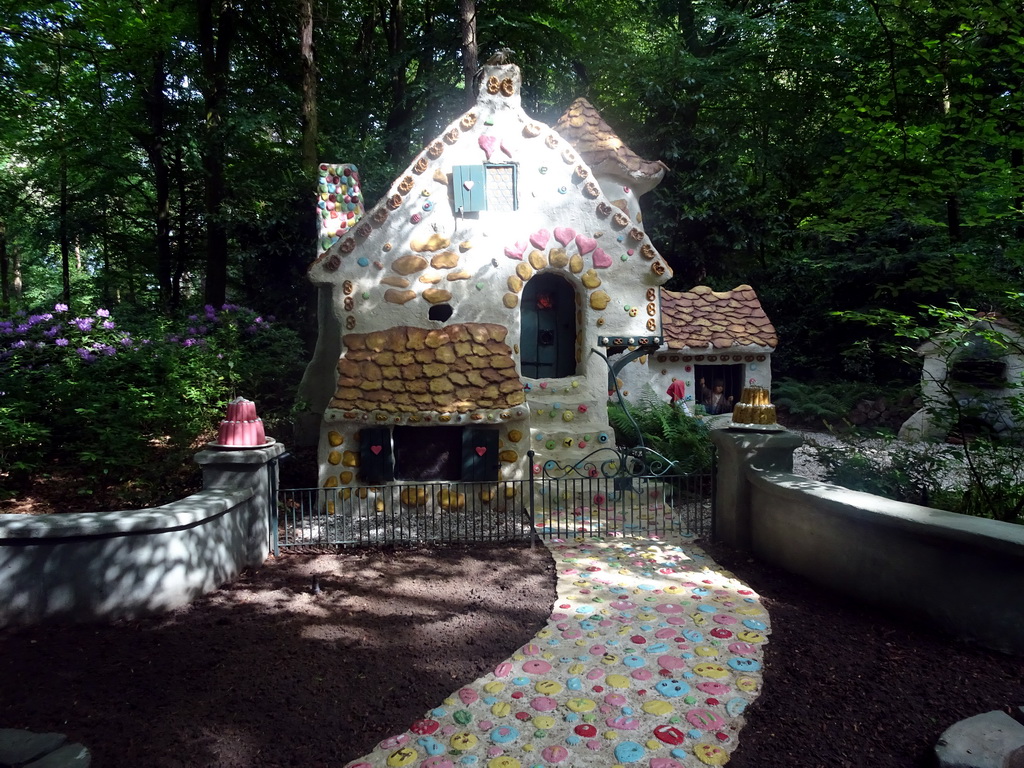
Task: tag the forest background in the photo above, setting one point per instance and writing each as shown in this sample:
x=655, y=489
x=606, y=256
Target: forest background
x=157, y=161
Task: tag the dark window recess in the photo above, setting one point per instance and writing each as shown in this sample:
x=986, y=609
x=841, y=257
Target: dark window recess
x=547, y=337
x=428, y=453
x=440, y=312
x=984, y=374
x=479, y=455
x=731, y=377
x=375, y=462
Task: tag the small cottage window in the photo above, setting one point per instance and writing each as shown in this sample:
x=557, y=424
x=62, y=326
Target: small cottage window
x=425, y=454
x=487, y=187
x=547, y=333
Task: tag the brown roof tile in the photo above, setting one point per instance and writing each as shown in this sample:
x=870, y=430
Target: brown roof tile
x=584, y=128
x=705, y=319
x=434, y=375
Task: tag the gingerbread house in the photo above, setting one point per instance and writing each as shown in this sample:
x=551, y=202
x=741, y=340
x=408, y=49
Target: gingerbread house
x=478, y=301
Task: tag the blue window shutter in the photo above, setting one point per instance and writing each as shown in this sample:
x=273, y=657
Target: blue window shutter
x=469, y=188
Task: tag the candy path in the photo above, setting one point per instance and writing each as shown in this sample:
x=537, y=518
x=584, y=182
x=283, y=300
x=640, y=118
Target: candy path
x=651, y=655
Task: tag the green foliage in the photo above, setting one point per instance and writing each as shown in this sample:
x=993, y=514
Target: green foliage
x=818, y=403
x=112, y=402
x=664, y=428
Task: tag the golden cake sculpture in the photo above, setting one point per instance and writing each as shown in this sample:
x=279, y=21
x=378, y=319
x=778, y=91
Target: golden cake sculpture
x=755, y=407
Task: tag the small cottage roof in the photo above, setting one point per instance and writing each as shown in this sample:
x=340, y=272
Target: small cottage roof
x=584, y=128
x=461, y=368
x=705, y=319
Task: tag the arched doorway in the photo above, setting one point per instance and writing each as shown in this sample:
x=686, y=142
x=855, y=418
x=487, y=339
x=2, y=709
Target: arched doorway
x=547, y=320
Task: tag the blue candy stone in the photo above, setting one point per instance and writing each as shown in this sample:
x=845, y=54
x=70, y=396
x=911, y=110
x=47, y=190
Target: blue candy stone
x=362, y=261
x=520, y=681
x=629, y=752
x=573, y=740
x=745, y=665
x=753, y=624
x=706, y=608
x=574, y=684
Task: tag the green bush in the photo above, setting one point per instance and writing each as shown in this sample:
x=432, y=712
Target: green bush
x=119, y=404
x=819, y=404
x=664, y=428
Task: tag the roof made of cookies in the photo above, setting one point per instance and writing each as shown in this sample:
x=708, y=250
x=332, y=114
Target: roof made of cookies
x=702, y=319
x=416, y=239
x=420, y=374
x=584, y=128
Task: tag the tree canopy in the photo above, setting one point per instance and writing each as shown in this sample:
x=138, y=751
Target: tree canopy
x=835, y=154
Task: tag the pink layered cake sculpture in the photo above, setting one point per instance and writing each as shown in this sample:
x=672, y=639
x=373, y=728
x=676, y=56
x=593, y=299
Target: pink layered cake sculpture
x=241, y=427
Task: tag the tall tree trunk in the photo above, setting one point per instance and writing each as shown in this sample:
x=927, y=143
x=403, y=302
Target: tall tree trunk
x=62, y=227
x=16, y=269
x=62, y=203
x=216, y=35
x=470, y=51
x=307, y=55
x=398, y=127
x=1016, y=161
x=154, y=97
x=181, y=239
x=5, y=288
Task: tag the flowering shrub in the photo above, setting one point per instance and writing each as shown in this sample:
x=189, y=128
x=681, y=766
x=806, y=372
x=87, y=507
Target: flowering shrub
x=102, y=395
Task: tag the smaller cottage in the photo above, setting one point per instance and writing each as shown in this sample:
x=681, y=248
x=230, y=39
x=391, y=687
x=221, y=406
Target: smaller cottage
x=968, y=381
x=711, y=336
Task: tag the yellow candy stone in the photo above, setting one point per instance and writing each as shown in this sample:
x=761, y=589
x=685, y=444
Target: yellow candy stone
x=657, y=707
x=501, y=709
x=494, y=686
x=581, y=705
x=617, y=681
x=401, y=757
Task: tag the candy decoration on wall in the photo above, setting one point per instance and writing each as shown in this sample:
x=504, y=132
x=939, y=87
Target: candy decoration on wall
x=339, y=202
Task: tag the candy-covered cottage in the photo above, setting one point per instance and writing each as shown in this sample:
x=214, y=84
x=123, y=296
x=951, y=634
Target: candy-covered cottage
x=471, y=297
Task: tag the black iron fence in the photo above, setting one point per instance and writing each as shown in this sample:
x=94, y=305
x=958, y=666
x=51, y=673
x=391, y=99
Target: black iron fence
x=623, y=495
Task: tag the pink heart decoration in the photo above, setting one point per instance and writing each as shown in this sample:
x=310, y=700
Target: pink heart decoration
x=564, y=235
x=505, y=149
x=585, y=244
x=601, y=259
x=488, y=144
x=376, y=449
x=540, y=238
x=515, y=251
x=481, y=450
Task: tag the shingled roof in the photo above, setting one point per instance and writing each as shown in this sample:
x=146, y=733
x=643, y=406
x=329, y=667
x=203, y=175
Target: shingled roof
x=465, y=368
x=584, y=128
x=705, y=319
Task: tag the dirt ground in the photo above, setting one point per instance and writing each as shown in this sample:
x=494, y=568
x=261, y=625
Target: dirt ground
x=266, y=673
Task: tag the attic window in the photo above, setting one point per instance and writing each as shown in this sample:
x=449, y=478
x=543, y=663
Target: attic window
x=487, y=187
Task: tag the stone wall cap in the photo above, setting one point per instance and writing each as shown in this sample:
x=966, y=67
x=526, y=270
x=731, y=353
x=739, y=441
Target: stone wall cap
x=183, y=513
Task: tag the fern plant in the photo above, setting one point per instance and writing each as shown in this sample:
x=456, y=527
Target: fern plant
x=664, y=428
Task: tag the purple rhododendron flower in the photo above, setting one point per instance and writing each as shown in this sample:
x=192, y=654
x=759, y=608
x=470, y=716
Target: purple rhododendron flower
x=6, y=327
x=107, y=350
x=83, y=323
x=19, y=344
x=52, y=331
x=23, y=328
x=58, y=308
x=126, y=341
x=40, y=344
x=102, y=313
x=85, y=354
x=108, y=325
x=61, y=342
x=189, y=343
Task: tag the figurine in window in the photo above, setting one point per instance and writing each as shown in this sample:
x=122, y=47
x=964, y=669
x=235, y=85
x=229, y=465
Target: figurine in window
x=715, y=400
x=677, y=395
